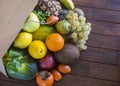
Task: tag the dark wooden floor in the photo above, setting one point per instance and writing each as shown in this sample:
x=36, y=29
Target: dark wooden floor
x=100, y=64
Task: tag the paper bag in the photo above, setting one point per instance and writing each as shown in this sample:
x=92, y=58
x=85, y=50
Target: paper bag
x=13, y=14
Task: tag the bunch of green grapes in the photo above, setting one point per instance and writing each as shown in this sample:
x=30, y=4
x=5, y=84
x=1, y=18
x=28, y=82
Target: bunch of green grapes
x=80, y=29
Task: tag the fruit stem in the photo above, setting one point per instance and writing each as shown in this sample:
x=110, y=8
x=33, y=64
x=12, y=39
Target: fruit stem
x=44, y=75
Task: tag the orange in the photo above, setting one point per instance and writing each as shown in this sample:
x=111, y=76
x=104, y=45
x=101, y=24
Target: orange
x=54, y=42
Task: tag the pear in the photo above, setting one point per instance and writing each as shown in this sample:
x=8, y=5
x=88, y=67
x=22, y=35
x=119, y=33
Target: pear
x=68, y=4
x=32, y=23
x=63, y=27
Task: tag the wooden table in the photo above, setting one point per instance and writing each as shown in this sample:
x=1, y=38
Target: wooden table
x=100, y=64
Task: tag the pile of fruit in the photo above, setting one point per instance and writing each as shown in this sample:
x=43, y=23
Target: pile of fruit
x=52, y=37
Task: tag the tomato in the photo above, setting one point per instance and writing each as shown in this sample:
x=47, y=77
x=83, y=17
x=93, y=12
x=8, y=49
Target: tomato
x=45, y=78
x=57, y=75
x=51, y=20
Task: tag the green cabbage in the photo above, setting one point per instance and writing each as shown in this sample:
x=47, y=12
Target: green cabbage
x=19, y=64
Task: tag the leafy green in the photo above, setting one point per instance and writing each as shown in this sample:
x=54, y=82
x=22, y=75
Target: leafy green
x=19, y=64
x=42, y=15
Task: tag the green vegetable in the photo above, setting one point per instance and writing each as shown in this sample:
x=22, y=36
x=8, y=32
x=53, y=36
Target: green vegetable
x=42, y=15
x=19, y=64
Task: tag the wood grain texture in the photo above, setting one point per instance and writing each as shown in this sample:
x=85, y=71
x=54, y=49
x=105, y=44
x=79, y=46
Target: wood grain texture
x=104, y=4
x=96, y=70
x=105, y=56
x=71, y=80
x=104, y=41
x=101, y=14
x=99, y=65
x=28, y=82
x=105, y=28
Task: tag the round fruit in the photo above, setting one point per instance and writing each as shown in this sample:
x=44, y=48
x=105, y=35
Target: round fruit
x=44, y=78
x=79, y=11
x=57, y=75
x=47, y=62
x=32, y=23
x=54, y=42
x=68, y=54
x=63, y=27
x=64, y=68
x=22, y=40
x=37, y=49
x=43, y=32
x=51, y=20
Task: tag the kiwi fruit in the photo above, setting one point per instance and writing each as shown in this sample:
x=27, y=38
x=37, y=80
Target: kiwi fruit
x=68, y=54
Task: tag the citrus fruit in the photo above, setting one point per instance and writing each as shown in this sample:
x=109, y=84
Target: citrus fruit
x=54, y=42
x=32, y=23
x=43, y=32
x=37, y=49
x=23, y=40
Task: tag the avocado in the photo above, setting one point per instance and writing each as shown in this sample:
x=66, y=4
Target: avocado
x=68, y=54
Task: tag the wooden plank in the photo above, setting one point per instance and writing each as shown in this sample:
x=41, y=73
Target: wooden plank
x=104, y=41
x=104, y=4
x=71, y=80
x=96, y=70
x=101, y=55
x=75, y=81
x=9, y=83
x=101, y=14
x=105, y=28
x=29, y=82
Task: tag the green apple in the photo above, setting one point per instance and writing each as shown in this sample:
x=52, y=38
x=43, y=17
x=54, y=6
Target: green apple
x=32, y=23
x=63, y=27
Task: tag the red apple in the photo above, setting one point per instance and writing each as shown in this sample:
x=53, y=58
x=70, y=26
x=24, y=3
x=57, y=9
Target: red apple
x=47, y=62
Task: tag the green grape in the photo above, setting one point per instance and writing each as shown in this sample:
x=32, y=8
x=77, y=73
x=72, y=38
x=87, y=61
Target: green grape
x=74, y=35
x=82, y=19
x=75, y=16
x=83, y=47
x=89, y=24
x=82, y=41
x=85, y=38
x=68, y=16
x=86, y=33
x=79, y=28
x=90, y=28
x=71, y=12
x=77, y=23
x=80, y=34
x=73, y=27
x=75, y=40
x=85, y=27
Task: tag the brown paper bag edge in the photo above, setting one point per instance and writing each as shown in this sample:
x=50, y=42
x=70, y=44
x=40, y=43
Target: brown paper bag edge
x=29, y=5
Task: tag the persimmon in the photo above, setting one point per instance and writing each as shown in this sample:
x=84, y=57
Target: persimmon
x=44, y=78
x=51, y=20
x=56, y=74
x=63, y=68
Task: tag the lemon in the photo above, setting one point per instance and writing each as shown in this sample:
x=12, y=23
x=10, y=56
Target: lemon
x=37, y=49
x=43, y=32
x=23, y=40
